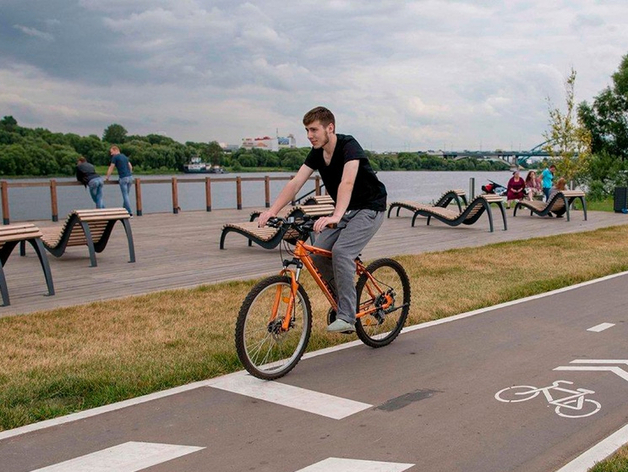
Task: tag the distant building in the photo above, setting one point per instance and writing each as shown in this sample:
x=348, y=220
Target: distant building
x=269, y=144
x=287, y=142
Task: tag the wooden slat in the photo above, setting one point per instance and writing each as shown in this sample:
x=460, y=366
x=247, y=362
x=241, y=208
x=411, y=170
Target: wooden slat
x=491, y=197
x=18, y=233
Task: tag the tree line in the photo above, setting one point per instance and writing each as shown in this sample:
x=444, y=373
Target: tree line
x=40, y=152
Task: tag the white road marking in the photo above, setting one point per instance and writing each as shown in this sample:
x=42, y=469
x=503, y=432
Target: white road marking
x=597, y=368
x=287, y=395
x=599, y=452
x=128, y=457
x=335, y=464
x=601, y=327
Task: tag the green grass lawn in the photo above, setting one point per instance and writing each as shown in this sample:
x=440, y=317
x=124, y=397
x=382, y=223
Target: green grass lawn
x=603, y=205
x=618, y=462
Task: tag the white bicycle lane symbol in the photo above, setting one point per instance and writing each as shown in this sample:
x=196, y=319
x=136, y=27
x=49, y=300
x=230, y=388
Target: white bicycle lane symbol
x=569, y=403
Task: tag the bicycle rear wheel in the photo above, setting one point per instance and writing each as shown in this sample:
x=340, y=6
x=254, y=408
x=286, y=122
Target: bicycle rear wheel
x=266, y=350
x=589, y=407
x=392, y=302
x=517, y=393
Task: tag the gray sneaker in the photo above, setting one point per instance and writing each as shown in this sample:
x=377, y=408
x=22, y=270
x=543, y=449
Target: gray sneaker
x=341, y=326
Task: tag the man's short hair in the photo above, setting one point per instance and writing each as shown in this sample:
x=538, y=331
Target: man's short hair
x=114, y=148
x=82, y=159
x=321, y=114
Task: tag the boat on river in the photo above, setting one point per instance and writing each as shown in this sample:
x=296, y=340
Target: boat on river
x=196, y=166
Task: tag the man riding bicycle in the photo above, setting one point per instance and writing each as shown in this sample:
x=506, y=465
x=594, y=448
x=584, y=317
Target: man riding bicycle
x=360, y=204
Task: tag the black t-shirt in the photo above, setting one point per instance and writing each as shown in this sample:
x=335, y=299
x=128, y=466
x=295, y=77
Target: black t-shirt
x=368, y=192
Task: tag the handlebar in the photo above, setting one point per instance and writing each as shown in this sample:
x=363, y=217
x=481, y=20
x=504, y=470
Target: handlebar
x=304, y=225
x=304, y=222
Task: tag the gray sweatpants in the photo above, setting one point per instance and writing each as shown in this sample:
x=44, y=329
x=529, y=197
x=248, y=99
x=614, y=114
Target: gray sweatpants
x=346, y=241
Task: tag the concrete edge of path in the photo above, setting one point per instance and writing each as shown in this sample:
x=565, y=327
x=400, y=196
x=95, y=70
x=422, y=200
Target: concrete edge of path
x=580, y=464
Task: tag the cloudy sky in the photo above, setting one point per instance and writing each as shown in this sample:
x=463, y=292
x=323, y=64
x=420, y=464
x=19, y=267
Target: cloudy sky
x=399, y=75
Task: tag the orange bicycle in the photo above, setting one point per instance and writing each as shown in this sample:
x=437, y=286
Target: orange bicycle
x=275, y=320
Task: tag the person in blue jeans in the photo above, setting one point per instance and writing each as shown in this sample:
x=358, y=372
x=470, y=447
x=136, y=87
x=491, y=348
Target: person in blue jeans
x=125, y=173
x=547, y=177
x=86, y=174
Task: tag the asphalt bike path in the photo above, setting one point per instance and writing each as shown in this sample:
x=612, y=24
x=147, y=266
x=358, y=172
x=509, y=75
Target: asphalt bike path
x=437, y=399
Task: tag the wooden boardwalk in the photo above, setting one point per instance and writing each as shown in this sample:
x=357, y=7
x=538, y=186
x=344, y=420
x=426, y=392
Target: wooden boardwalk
x=182, y=251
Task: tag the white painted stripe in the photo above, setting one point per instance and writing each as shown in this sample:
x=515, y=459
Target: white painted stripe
x=127, y=457
x=174, y=391
x=335, y=464
x=599, y=361
x=598, y=452
x=601, y=327
x=290, y=396
x=615, y=370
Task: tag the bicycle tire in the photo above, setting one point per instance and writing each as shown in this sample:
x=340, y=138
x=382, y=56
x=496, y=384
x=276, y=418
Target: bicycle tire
x=513, y=395
x=383, y=327
x=265, y=351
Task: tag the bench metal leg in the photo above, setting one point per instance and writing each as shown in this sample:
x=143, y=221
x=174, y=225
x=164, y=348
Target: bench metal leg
x=490, y=216
x=43, y=259
x=90, y=244
x=129, y=237
x=501, y=208
x=584, y=208
x=4, y=288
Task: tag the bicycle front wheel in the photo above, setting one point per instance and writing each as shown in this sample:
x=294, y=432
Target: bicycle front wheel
x=389, y=292
x=266, y=349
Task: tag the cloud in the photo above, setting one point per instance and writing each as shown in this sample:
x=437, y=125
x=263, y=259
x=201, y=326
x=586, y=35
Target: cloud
x=35, y=33
x=420, y=74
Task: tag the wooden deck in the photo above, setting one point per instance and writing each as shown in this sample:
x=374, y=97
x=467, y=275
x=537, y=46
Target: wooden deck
x=178, y=251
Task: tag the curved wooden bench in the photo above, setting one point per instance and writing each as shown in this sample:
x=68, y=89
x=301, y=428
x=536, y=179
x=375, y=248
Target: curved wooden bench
x=468, y=216
x=456, y=195
x=558, y=204
x=11, y=236
x=91, y=228
x=268, y=237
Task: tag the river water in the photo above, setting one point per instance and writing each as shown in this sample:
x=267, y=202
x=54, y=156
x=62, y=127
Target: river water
x=33, y=203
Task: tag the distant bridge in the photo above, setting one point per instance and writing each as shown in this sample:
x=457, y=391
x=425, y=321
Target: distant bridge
x=511, y=157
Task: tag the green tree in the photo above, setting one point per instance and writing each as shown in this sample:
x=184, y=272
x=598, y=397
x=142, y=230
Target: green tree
x=8, y=123
x=213, y=153
x=607, y=117
x=292, y=159
x=568, y=140
x=114, y=134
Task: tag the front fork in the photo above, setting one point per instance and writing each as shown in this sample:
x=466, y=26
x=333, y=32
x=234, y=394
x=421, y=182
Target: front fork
x=294, y=287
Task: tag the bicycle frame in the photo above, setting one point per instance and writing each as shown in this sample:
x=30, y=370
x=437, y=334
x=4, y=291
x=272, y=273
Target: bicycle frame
x=303, y=257
x=576, y=396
